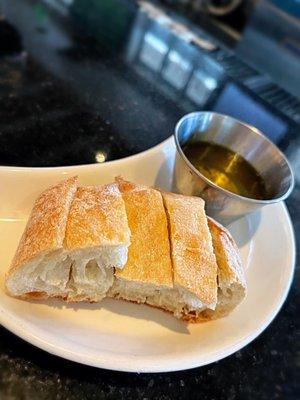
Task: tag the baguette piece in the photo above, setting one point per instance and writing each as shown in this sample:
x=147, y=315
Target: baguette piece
x=231, y=276
x=194, y=262
x=148, y=272
x=97, y=238
x=41, y=245
x=73, y=240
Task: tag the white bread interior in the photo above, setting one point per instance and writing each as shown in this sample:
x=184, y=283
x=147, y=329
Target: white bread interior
x=73, y=276
x=175, y=300
x=92, y=272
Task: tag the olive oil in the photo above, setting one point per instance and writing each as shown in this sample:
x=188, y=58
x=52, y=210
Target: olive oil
x=227, y=169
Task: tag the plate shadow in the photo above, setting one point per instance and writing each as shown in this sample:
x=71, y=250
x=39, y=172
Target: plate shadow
x=120, y=307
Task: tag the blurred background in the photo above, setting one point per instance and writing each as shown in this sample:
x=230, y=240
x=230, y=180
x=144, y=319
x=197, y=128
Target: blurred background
x=94, y=80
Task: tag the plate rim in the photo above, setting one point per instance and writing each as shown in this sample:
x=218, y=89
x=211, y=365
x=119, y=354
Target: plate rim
x=15, y=327
x=81, y=167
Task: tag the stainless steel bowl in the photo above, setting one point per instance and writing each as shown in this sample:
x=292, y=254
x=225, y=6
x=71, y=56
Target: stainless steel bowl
x=245, y=140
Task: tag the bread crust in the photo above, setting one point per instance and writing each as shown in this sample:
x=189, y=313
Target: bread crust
x=46, y=226
x=149, y=258
x=194, y=262
x=231, y=274
x=230, y=268
x=97, y=217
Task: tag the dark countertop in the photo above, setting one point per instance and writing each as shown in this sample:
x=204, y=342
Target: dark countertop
x=65, y=96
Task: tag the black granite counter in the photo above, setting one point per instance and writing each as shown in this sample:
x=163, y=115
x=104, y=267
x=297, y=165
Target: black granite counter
x=98, y=81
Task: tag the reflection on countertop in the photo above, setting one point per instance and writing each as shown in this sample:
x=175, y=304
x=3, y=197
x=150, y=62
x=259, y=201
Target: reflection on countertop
x=90, y=80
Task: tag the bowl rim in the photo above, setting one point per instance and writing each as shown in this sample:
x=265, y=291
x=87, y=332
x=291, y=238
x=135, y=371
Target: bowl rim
x=284, y=196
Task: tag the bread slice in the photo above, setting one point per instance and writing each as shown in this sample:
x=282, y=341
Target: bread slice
x=148, y=272
x=182, y=278
x=41, y=245
x=97, y=238
x=73, y=240
x=231, y=275
x=194, y=262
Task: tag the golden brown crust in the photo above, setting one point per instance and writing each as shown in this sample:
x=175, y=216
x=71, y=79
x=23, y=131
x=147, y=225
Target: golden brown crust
x=33, y=296
x=194, y=262
x=230, y=268
x=149, y=253
x=231, y=276
x=97, y=218
x=45, y=229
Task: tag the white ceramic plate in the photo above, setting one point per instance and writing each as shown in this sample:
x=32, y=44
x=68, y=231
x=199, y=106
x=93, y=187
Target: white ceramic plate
x=127, y=337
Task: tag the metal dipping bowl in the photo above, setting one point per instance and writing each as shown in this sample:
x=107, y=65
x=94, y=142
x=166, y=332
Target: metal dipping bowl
x=243, y=139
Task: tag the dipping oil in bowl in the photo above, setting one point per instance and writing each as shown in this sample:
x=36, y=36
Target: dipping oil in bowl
x=230, y=164
x=226, y=169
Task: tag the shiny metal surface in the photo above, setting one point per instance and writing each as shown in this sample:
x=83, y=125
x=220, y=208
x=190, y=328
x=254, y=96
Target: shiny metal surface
x=244, y=139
